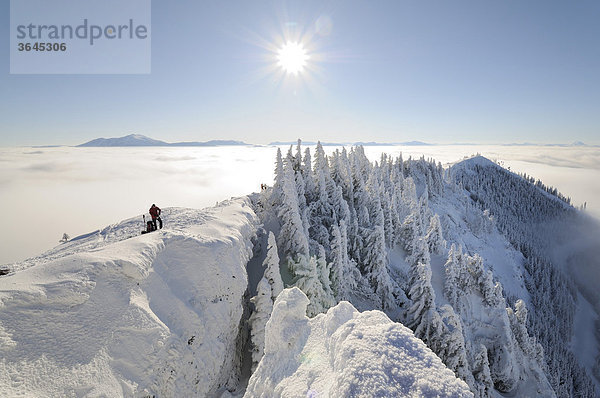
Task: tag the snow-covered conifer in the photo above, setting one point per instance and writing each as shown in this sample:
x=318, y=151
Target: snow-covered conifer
x=409, y=232
x=292, y=239
x=451, y=270
x=342, y=275
x=308, y=279
x=409, y=193
x=375, y=260
x=435, y=239
x=420, y=252
x=518, y=323
x=476, y=272
x=481, y=372
x=491, y=291
x=271, y=264
x=263, y=306
x=430, y=329
x=421, y=294
x=454, y=352
x=310, y=189
x=277, y=194
x=324, y=269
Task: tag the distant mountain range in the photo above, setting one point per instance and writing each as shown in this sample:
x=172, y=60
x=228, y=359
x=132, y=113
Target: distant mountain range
x=573, y=144
x=137, y=140
x=142, y=140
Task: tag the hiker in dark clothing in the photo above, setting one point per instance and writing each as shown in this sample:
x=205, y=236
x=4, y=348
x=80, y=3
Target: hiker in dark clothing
x=155, y=213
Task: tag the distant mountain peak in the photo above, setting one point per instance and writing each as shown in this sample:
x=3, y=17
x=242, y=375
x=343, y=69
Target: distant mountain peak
x=141, y=140
x=476, y=160
x=128, y=140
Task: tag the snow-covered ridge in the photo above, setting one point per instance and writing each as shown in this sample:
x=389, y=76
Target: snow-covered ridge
x=345, y=353
x=109, y=315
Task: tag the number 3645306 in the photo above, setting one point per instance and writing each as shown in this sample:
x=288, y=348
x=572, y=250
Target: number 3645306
x=42, y=46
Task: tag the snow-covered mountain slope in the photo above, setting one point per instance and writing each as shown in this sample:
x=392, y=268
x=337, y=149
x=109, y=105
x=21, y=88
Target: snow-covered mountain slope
x=443, y=251
x=560, y=247
x=345, y=353
x=115, y=313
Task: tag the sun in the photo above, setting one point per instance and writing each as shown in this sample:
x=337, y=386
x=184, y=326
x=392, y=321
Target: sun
x=292, y=57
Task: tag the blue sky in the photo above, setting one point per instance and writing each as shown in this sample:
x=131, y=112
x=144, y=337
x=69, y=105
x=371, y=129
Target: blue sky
x=435, y=71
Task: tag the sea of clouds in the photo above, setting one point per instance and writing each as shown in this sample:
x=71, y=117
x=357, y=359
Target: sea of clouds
x=45, y=192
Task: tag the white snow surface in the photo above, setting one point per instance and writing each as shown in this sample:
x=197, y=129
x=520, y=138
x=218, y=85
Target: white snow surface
x=115, y=313
x=346, y=353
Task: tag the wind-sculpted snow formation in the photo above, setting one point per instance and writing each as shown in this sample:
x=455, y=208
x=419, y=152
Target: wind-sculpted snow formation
x=413, y=239
x=153, y=315
x=345, y=353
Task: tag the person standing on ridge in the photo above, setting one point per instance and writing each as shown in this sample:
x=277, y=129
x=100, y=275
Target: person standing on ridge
x=155, y=213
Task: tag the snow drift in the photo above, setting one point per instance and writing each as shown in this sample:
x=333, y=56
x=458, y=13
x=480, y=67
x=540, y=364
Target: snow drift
x=345, y=353
x=156, y=314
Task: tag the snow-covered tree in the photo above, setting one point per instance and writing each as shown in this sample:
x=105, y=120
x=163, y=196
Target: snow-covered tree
x=435, y=239
x=518, y=324
x=430, y=329
x=410, y=231
x=292, y=239
x=452, y=272
x=481, y=372
x=277, y=194
x=271, y=264
x=454, y=352
x=474, y=266
x=420, y=252
x=421, y=294
x=342, y=268
x=268, y=288
x=376, y=266
x=409, y=193
x=310, y=190
x=491, y=291
x=263, y=305
x=309, y=279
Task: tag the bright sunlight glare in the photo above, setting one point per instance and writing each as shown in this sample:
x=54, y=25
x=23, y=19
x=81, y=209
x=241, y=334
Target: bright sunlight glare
x=292, y=57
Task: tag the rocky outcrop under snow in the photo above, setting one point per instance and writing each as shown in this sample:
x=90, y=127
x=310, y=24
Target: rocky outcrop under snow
x=117, y=314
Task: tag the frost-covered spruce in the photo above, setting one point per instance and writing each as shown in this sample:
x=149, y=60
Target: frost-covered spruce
x=481, y=372
x=271, y=264
x=309, y=280
x=342, y=280
x=268, y=289
x=453, y=347
x=420, y=253
x=435, y=238
x=421, y=294
x=263, y=306
x=518, y=324
x=452, y=272
x=376, y=267
x=292, y=240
